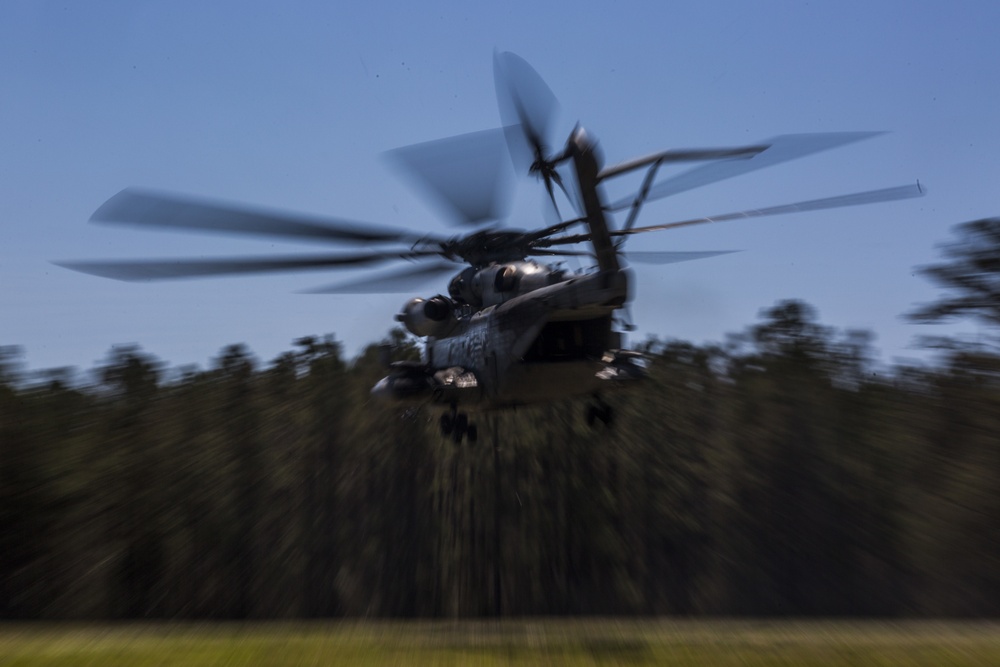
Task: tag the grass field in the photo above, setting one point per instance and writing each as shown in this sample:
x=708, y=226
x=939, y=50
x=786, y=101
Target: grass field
x=528, y=642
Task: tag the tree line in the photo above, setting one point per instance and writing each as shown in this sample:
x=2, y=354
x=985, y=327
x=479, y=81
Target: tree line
x=782, y=473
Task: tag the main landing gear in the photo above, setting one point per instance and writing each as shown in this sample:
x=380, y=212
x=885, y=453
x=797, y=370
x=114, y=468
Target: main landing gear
x=599, y=411
x=457, y=425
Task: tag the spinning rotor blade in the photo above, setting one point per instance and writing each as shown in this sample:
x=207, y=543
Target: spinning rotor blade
x=680, y=155
x=527, y=109
x=672, y=257
x=572, y=190
x=856, y=199
x=144, y=270
x=553, y=229
x=551, y=214
x=142, y=208
x=779, y=149
x=399, y=281
x=562, y=253
x=467, y=175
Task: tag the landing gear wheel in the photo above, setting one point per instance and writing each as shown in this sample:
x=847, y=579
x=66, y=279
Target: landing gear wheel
x=600, y=411
x=460, y=427
x=456, y=425
x=447, y=424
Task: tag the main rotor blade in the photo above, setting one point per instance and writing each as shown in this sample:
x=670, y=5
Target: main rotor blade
x=468, y=175
x=398, y=281
x=144, y=270
x=779, y=149
x=143, y=208
x=562, y=253
x=532, y=237
x=527, y=108
x=680, y=155
x=672, y=257
x=562, y=240
x=856, y=199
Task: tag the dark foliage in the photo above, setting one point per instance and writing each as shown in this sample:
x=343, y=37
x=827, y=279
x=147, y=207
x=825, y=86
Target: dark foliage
x=969, y=274
x=777, y=475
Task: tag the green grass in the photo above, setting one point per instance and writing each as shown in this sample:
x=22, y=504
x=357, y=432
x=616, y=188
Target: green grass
x=527, y=642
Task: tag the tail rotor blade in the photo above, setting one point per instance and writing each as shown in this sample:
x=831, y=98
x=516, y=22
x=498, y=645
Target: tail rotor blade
x=567, y=175
x=527, y=108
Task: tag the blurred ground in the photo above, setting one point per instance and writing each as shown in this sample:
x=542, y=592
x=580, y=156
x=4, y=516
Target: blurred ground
x=520, y=642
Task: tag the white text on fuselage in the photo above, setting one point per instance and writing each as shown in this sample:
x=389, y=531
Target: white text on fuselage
x=469, y=349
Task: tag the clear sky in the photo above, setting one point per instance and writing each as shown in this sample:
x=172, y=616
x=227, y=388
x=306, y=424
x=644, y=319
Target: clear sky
x=290, y=105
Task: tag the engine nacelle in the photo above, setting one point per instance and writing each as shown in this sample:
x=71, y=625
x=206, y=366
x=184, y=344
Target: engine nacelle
x=428, y=317
x=492, y=285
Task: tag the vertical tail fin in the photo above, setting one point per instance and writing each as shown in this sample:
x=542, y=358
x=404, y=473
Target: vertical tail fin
x=587, y=161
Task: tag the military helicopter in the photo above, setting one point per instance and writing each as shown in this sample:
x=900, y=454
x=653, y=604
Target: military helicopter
x=512, y=330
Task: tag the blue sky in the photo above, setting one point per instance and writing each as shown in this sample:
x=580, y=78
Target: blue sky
x=290, y=105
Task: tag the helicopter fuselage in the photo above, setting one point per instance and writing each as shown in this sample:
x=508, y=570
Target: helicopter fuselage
x=554, y=338
x=517, y=332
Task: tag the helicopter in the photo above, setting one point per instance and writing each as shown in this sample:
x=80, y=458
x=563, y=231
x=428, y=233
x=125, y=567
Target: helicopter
x=512, y=330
